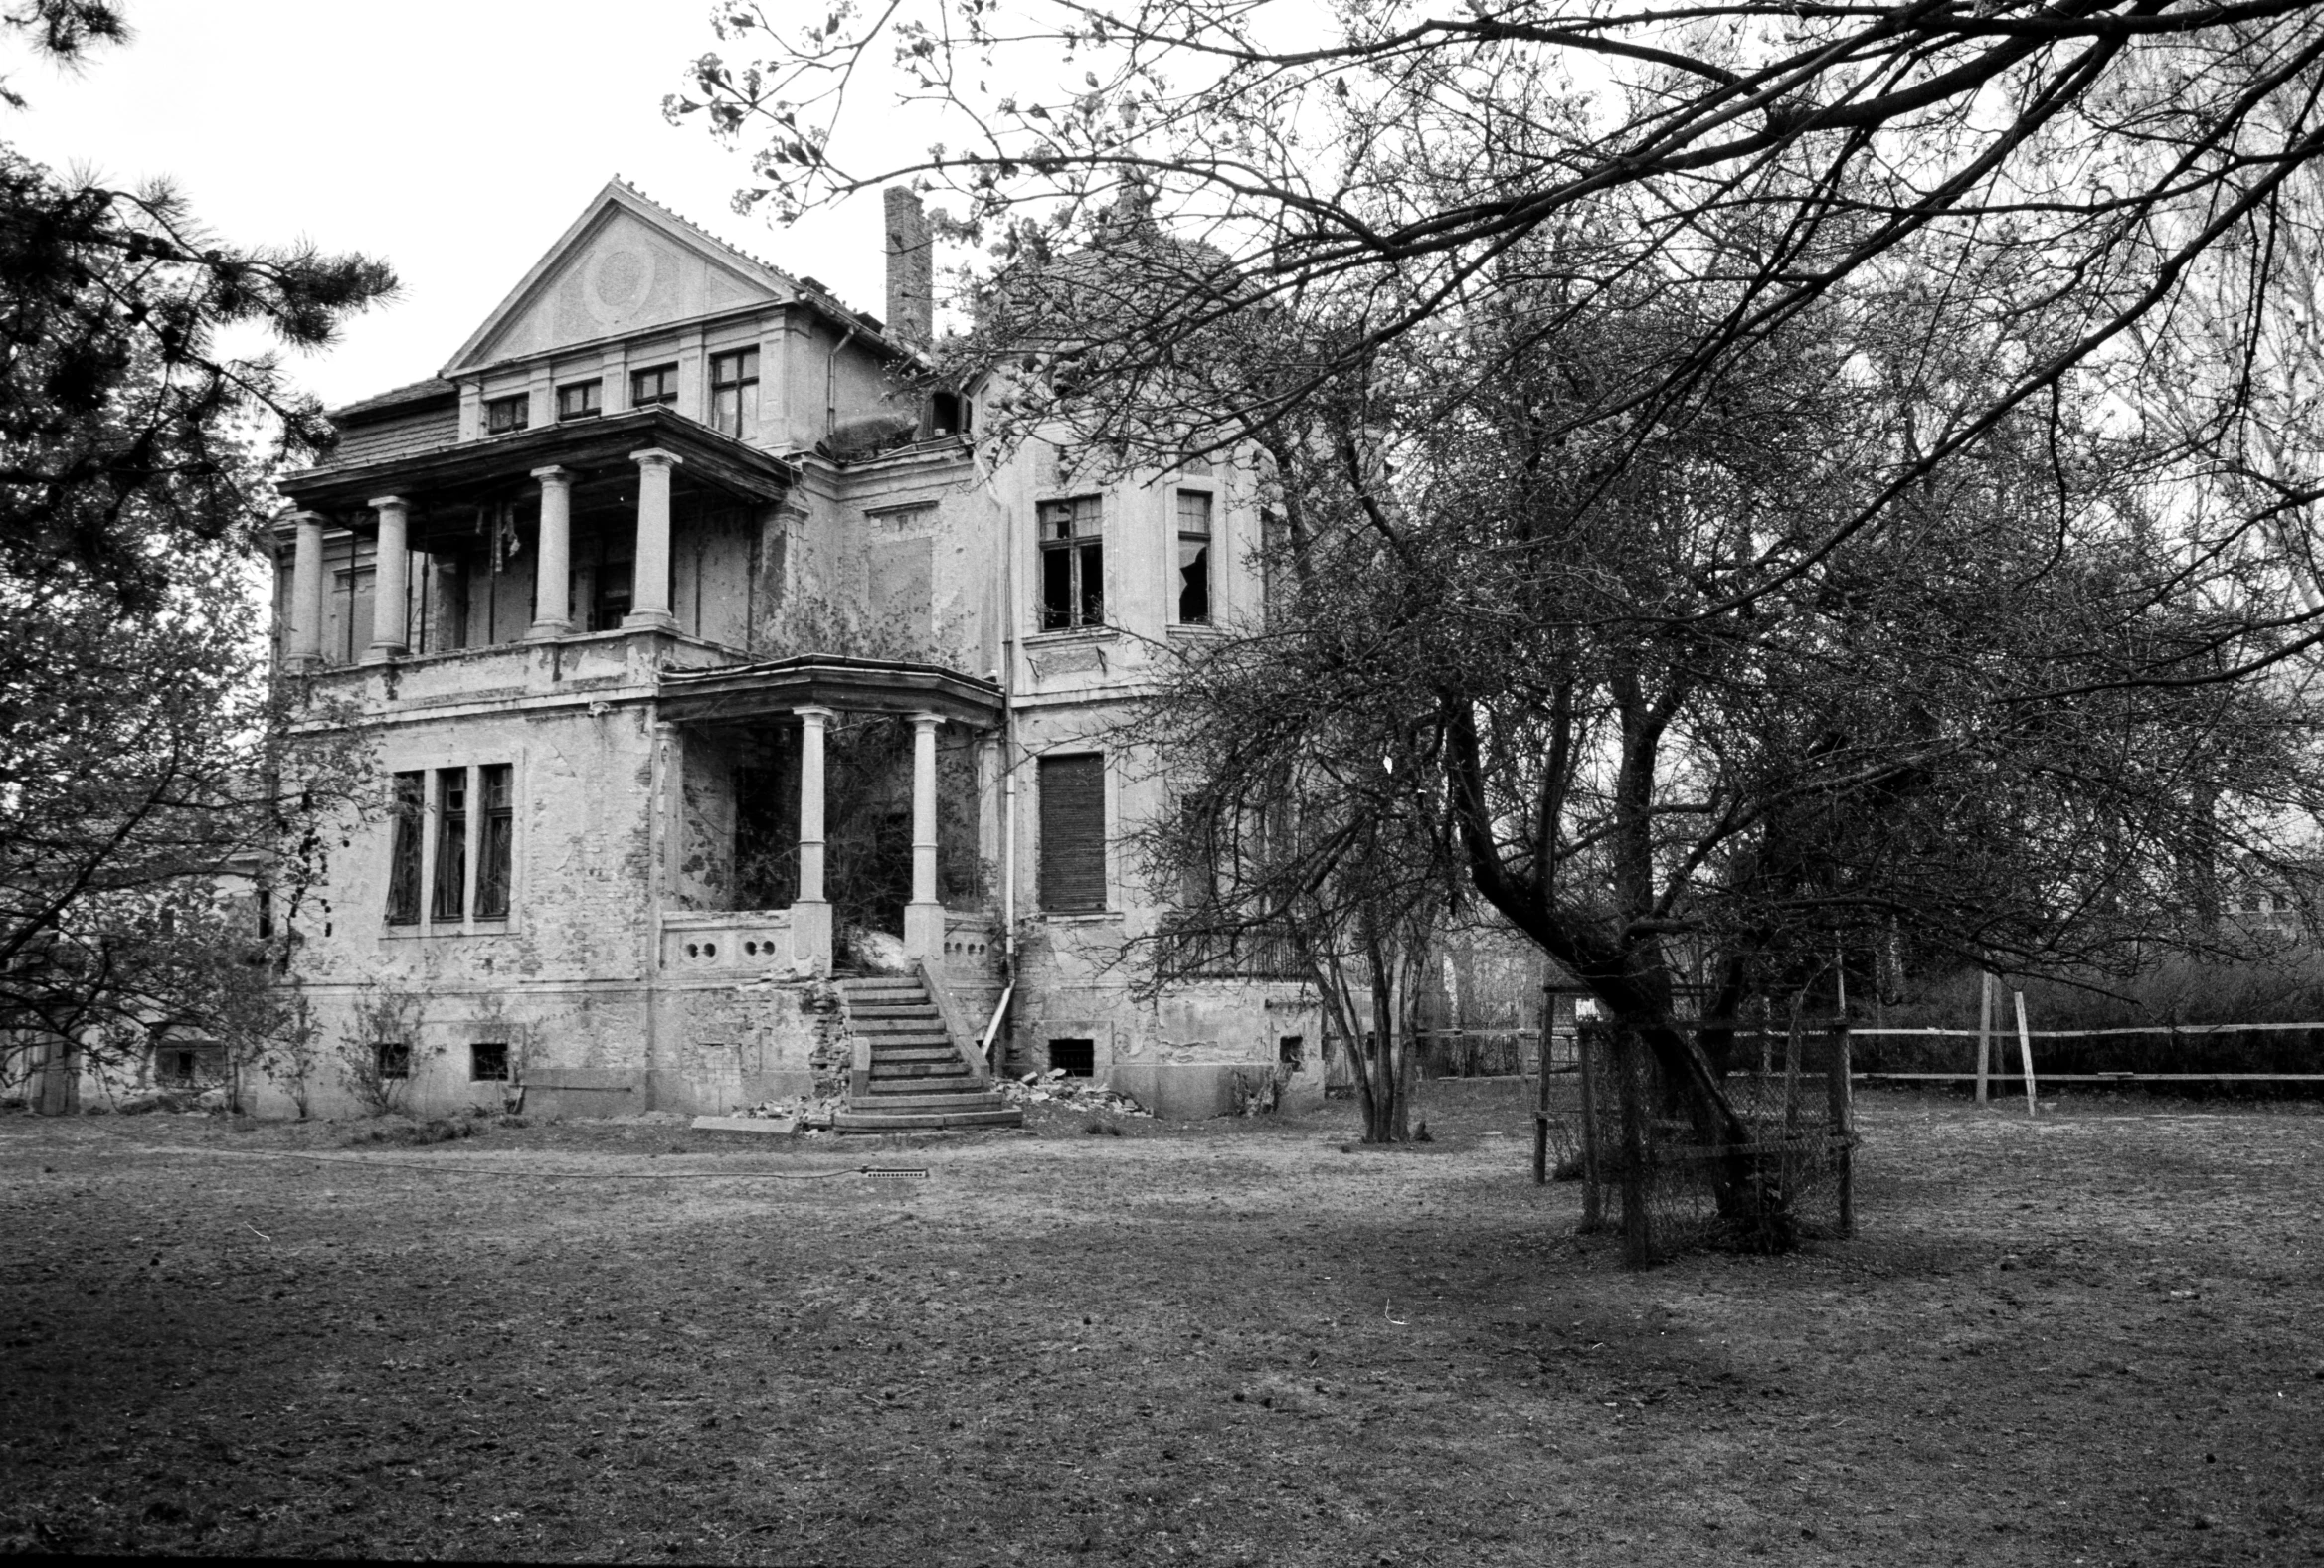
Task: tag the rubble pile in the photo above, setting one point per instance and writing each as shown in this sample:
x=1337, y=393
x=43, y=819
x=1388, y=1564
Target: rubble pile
x=814, y=1113
x=1081, y=1094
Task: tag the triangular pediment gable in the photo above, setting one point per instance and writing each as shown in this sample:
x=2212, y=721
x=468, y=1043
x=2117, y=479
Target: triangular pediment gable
x=626, y=265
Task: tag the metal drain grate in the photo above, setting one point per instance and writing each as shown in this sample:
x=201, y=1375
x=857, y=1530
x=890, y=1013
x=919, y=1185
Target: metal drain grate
x=876, y=1173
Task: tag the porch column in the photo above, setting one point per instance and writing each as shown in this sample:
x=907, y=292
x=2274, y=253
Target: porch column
x=553, y=571
x=811, y=912
x=307, y=593
x=649, y=586
x=391, y=584
x=924, y=916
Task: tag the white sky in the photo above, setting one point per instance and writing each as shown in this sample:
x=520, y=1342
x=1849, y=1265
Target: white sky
x=454, y=138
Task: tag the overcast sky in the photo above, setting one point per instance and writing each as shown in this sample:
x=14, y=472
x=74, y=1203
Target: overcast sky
x=455, y=138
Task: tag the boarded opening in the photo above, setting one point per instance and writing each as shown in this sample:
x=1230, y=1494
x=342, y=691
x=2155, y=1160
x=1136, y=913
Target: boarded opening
x=1073, y=833
x=1079, y=1058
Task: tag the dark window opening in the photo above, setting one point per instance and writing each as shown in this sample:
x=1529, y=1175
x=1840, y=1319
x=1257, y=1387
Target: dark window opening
x=1073, y=564
x=579, y=399
x=496, y=846
x=450, y=902
x=393, y=1058
x=403, y=905
x=949, y=414
x=503, y=416
x=1073, y=833
x=609, y=598
x=1078, y=1058
x=488, y=1064
x=1193, y=557
x=659, y=384
x=1291, y=1051
x=734, y=392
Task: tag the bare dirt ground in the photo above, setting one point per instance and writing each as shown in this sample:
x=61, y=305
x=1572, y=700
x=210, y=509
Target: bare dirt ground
x=2089, y=1338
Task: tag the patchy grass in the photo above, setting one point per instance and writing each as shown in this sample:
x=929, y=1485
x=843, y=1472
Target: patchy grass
x=2090, y=1337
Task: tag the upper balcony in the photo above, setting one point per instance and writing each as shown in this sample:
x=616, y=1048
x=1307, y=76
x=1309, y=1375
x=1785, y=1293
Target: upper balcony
x=584, y=527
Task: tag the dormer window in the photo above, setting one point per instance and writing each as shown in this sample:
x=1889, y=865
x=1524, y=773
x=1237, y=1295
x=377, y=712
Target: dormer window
x=650, y=387
x=578, y=400
x=506, y=416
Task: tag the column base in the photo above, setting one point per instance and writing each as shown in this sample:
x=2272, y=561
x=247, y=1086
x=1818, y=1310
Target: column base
x=924, y=931
x=548, y=631
x=380, y=652
x=810, y=934
x=650, y=621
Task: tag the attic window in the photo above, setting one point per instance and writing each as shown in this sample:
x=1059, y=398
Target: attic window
x=505, y=416
x=659, y=384
x=579, y=399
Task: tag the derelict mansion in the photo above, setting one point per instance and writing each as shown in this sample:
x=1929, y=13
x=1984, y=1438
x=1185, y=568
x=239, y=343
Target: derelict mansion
x=688, y=640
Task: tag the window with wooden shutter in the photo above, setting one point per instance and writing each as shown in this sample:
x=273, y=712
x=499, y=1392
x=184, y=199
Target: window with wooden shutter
x=1073, y=833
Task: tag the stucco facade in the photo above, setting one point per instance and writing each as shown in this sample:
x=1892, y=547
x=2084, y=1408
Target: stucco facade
x=687, y=634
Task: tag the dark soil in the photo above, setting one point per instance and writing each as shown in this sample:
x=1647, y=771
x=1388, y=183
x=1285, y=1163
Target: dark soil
x=2093, y=1337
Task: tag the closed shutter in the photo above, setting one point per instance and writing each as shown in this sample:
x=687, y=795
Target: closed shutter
x=1073, y=833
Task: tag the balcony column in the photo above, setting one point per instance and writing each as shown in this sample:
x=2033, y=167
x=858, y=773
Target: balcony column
x=649, y=587
x=307, y=593
x=924, y=916
x=811, y=912
x=553, y=569
x=391, y=582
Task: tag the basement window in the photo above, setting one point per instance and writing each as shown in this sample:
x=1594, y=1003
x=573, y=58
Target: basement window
x=393, y=1058
x=488, y=1064
x=1079, y=1058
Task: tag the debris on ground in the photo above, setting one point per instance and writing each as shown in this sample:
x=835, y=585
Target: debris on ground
x=806, y=1111
x=1083, y=1094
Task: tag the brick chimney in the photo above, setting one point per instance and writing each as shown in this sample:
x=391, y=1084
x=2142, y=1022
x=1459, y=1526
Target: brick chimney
x=911, y=268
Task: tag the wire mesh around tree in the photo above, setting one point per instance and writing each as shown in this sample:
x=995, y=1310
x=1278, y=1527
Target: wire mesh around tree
x=1669, y=1185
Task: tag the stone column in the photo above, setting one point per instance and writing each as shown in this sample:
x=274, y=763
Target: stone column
x=307, y=593
x=649, y=582
x=811, y=912
x=553, y=569
x=391, y=584
x=924, y=916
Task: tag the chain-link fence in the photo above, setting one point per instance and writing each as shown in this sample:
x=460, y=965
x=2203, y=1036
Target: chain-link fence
x=1671, y=1175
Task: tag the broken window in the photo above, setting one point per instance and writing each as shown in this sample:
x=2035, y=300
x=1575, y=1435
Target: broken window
x=1079, y=1058
x=506, y=416
x=402, y=904
x=497, y=843
x=1291, y=1051
x=1073, y=564
x=657, y=383
x=1073, y=833
x=578, y=400
x=450, y=902
x=734, y=393
x=393, y=1058
x=488, y=1064
x=1193, y=557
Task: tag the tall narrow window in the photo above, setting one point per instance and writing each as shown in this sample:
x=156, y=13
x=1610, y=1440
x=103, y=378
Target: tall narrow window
x=1194, y=558
x=403, y=901
x=1073, y=833
x=497, y=843
x=656, y=385
x=1073, y=564
x=450, y=902
x=734, y=393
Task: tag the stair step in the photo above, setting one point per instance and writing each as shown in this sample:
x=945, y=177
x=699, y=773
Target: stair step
x=890, y=1023
x=913, y=1098
x=913, y=1045
x=884, y=988
x=920, y=1070
x=923, y=1120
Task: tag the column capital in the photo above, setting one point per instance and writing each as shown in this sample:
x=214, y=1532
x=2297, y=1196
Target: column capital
x=816, y=715
x=657, y=456
x=926, y=721
x=553, y=475
x=379, y=503
x=304, y=515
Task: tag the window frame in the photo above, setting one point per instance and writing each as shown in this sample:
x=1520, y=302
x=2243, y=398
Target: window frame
x=735, y=384
x=665, y=382
x=1083, y=552
x=495, y=839
x=1206, y=556
x=591, y=394
x=392, y=1059
x=406, y=845
x=476, y=1073
x=447, y=898
x=520, y=404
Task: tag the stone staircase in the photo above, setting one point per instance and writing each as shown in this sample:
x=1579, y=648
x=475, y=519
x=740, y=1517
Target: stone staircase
x=910, y=1077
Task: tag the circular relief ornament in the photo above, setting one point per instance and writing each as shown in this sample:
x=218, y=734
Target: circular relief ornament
x=619, y=281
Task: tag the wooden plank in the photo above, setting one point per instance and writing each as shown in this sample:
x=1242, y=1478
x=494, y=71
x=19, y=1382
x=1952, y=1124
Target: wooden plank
x=1984, y=1034
x=2025, y=1050
x=1842, y=1113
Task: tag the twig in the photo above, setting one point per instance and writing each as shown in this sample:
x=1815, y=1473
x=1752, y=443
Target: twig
x=255, y=1231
